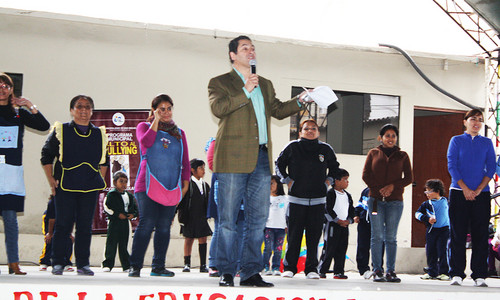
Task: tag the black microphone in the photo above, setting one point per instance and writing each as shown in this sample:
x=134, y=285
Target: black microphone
x=253, y=65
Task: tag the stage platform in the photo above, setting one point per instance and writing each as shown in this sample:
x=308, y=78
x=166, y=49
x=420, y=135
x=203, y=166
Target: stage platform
x=116, y=285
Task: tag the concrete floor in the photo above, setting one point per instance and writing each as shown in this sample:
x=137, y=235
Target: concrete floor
x=198, y=286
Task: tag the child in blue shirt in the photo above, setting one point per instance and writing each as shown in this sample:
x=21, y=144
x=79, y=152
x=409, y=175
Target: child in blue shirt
x=434, y=213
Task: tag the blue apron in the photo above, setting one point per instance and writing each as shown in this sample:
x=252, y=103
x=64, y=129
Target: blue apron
x=164, y=169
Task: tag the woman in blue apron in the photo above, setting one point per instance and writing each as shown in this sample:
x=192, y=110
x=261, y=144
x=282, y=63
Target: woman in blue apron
x=15, y=113
x=162, y=180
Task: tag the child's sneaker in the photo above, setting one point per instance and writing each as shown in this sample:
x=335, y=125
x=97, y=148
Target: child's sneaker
x=43, y=268
x=429, y=277
x=480, y=282
x=456, y=280
x=312, y=275
x=340, y=276
x=287, y=274
x=368, y=274
x=213, y=272
x=443, y=277
x=68, y=268
x=276, y=273
x=106, y=269
x=267, y=272
x=378, y=276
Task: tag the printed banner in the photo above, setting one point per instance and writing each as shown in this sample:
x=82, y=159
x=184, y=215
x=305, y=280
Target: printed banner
x=123, y=151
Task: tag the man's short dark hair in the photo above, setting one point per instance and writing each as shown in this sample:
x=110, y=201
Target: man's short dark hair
x=233, y=44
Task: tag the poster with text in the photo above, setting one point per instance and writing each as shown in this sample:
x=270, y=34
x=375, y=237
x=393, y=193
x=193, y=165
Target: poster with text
x=123, y=151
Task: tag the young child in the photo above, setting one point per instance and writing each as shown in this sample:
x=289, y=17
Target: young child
x=274, y=233
x=339, y=214
x=120, y=207
x=48, y=223
x=364, y=235
x=434, y=213
x=193, y=216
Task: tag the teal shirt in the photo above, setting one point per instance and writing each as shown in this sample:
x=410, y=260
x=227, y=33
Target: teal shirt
x=258, y=106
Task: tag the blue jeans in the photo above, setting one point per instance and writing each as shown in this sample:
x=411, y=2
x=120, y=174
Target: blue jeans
x=73, y=209
x=152, y=215
x=11, y=235
x=384, y=228
x=254, y=190
x=212, y=254
x=273, y=243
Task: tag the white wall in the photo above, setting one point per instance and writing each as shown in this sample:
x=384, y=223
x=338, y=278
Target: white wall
x=124, y=65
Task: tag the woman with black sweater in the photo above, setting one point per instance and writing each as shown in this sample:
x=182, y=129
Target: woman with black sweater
x=308, y=167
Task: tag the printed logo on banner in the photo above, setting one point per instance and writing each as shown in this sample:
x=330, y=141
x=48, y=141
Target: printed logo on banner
x=118, y=119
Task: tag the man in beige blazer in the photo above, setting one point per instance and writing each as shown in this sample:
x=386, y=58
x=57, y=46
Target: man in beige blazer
x=244, y=103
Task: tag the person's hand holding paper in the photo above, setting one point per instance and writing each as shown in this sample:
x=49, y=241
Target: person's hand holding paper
x=323, y=96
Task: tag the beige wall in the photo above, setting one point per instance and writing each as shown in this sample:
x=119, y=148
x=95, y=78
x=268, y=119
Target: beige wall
x=124, y=65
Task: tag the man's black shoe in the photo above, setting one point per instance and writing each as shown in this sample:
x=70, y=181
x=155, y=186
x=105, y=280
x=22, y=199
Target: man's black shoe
x=255, y=280
x=226, y=280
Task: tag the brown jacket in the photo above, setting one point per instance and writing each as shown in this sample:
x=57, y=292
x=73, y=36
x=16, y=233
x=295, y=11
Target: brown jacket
x=237, y=140
x=381, y=170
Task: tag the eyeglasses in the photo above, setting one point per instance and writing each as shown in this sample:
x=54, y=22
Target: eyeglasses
x=87, y=107
x=310, y=128
x=5, y=87
x=428, y=192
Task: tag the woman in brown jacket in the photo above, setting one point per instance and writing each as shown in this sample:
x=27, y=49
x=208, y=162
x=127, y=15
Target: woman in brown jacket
x=387, y=171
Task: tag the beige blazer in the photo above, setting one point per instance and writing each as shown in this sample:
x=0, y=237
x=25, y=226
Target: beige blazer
x=237, y=140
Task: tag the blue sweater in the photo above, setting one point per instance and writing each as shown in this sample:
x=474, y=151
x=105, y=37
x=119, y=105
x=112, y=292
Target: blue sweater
x=437, y=208
x=470, y=159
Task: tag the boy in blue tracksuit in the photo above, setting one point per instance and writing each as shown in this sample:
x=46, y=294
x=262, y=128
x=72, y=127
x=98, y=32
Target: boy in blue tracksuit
x=434, y=213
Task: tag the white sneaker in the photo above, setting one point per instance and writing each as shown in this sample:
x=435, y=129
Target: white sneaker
x=287, y=274
x=68, y=268
x=43, y=268
x=443, y=277
x=457, y=280
x=312, y=275
x=276, y=273
x=106, y=269
x=480, y=282
x=367, y=274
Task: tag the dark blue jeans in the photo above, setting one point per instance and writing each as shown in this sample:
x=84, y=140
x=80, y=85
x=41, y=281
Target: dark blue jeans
x=73, y=209
x=152, y=216
x=436, y=248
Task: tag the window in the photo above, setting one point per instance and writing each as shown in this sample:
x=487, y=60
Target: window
x=350, y=125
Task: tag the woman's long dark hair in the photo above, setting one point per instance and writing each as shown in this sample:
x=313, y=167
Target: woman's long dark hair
x=156, y=101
